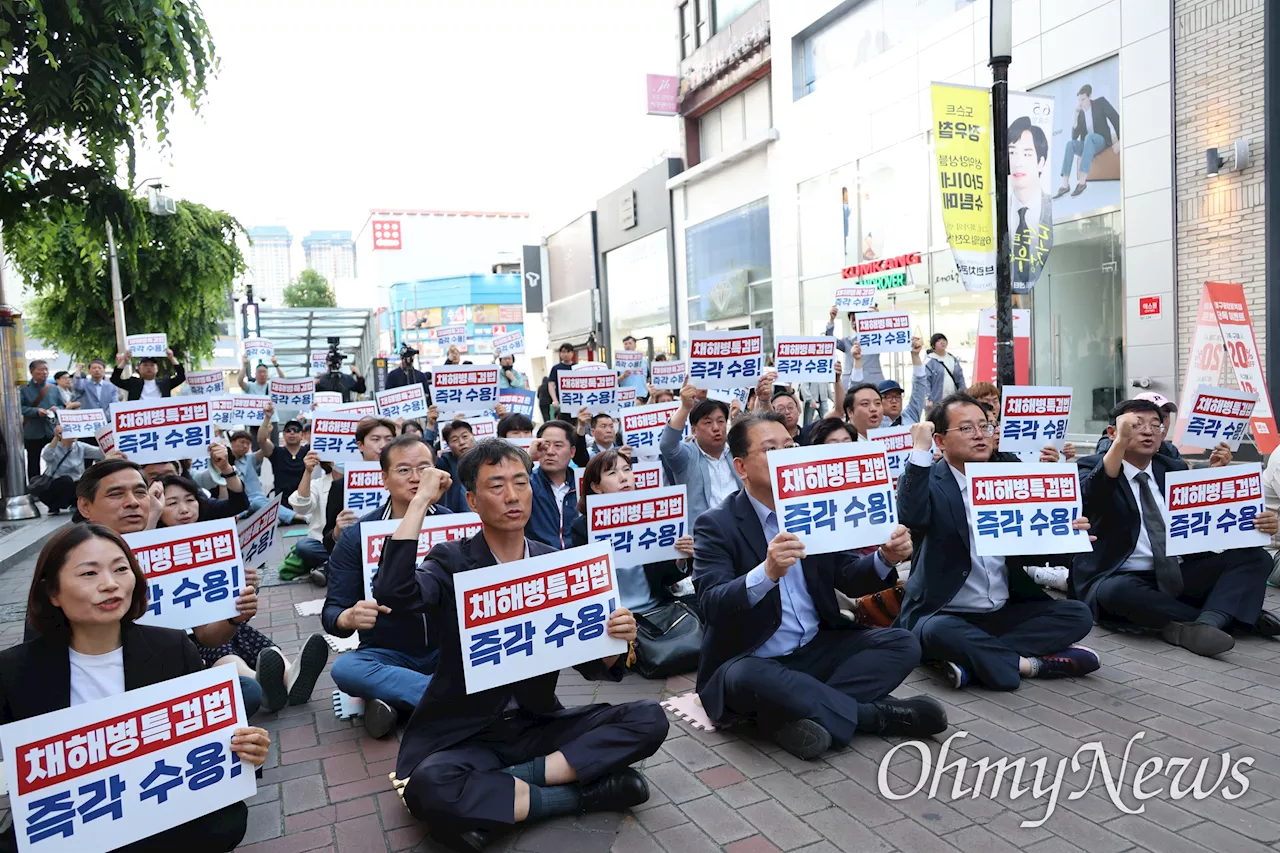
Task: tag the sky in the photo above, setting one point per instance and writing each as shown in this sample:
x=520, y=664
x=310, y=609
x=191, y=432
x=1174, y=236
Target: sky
x=322, y=110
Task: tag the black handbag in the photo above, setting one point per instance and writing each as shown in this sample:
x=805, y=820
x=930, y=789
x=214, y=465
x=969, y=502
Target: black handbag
x=39, y=486
x=668, y=640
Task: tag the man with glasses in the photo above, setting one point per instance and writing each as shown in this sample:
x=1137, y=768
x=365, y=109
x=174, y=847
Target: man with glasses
x=1195, y=601
x=977, y=617
x=785, y=404
x=776, y=647
x=555, y=495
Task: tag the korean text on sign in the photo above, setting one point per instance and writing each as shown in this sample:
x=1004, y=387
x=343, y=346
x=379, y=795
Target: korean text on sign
x=162, y=430
x=407, y=401
x=805, y=359
x=884, y=331
x=220, y=409
x=362, y=486
x=642, y=527
x=522, y=619
x=483, y=427
x=464, y=388
x=855, y=298
x=81, y=423
x=627, y=398
x=292, y=393
x=1033, y=416
x=258, y=350
x=333, y=436
x=451, y=336
x=1213, y=509
x=319, y=360
x=645, y=475
x=147, y=346
x=193, y=572
x=667, y=374
x=113, y=771
x=595, y=389
x=897, y=447
x=518, y=402
x=642, y=426
x=726, y=360
x=629, y=361
x=1217, y=414
x=328, y=399
x=835, y=497
x=106, y=437
x=512, y=343
x=728, y=395
x=249, y=409
x=363, y=408
x=435, y=529
x=1025, y=508
x=206, y=383
x=260, y=537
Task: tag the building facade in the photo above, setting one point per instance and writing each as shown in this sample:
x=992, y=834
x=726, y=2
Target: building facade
x=570, y=287
x=487, y=304
x=270, y=262
x=330, y=253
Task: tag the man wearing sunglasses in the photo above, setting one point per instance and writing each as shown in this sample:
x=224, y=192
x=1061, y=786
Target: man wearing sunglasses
x=287, y=459
x=980, y=618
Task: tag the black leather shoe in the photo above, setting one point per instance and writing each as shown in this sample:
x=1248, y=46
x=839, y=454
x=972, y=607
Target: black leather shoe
x=1268, y=625
x=804, y=739
x=615, y=792
x=919, y=716
x=462, y=840
x=1198, y=637
x=379, y=718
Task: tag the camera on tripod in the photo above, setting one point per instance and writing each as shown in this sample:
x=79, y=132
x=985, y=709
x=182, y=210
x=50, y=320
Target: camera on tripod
x=334, y=357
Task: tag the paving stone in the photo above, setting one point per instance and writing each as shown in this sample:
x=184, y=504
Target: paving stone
x=663, y=817
x=300, y=795
x=694, y=755
x=870, y=808
x=906, y=834
x=717, y=820
x=265, y=821
x=721, y=777
x=754, y=844
x=795, y=795
x=747, y=758
x=845, y=832
x=360, y=835
x=632, y=838
x=686, y=838
x=344, y=768
x=779, y=826
x=677, y=783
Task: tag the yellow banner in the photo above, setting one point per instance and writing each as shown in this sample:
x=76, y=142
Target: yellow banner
x=962, y=143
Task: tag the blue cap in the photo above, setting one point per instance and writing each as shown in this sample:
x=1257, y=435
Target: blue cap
x=887, y=385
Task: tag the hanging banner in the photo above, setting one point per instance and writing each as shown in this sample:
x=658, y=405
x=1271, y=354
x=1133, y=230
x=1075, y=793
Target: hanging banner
x=962, y=143
x=512, y=343
x=1213, y=509
x=362, y=487
x=1034, y=416
x=883, y=331
x=855, y=297
x=1031, y=173
x=258, y=350
x=260, y=536
x=834, y=496
x=445, y=527
x=193, y=572
x=292, y=393
x=464, y=388
x=1218, y=414
x=726, y=360
x=805, y=359
x=1025, y=509
x=667, y=374
x=81, y=423
x=642, y=426
x=147, y=346
x=984, y=369
x=167, y=430
x=644, y=527
x=407, y=401
x=205, y=383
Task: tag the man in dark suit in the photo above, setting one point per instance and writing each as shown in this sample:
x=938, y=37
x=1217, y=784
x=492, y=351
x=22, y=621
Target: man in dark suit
x=469, y=763
x=1030, y=208
x=1194, y=601
x=776, y=646
x=1090, y=135
x=147, y=385
x=978, y=616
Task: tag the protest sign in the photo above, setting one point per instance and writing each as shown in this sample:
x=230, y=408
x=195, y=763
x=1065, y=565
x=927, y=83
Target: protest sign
x=328, y=399
x=726, y=359
x=193, y=572
x=595, y=389
x=319, y=361
x=465, y=388
x=81, y=423
x=883, y=331
x=483, y=427
x=626, y=398
x=1218, y=414
x=292, y=393
x=407, y=401
x=1213, y=509
x=646, y=475
x=568, y=595
x=258, y=350
x=333, y=436
x=363, y=408
x=642, y=426
x=524, y=443
x=897, y=447
x=206, y=383
x=1034, y=416
x=249, y=409
x=1025, y=508
x=835, y=497
x=451, y=336
x=512, y=343
x=259, y=536
x=667, y=374
x=518, y=402
x=106, y=437
x=149, y=759
x=629, y=361
x=220, y=409
x=147, y=346
x=642, y=527
x=729, y=395
x=855, y=298
x=362, y=486
x=800, y=359
x=165, y=430
x=435, y=529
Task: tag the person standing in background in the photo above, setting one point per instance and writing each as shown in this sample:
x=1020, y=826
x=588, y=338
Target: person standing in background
x=637, y=379
x=565, y=363
x=872, y=371
x=95, y=391
x=37, y=398
x=946, y=376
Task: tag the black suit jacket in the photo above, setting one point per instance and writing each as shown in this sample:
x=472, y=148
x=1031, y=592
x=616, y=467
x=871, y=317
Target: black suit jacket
x=446, y=715
x=930, y=504
x=1103, y=113
x=133, y=385
x=729, y=543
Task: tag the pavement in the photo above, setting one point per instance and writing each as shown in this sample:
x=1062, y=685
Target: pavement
x=325, y=785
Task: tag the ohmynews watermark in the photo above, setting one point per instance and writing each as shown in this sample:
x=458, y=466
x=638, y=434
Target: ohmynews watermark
x=1145, y=784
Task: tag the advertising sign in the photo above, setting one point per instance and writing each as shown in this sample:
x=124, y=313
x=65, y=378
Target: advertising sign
x=963, y=147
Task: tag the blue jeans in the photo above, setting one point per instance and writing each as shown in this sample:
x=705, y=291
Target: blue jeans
x=397, y=678
x=311, y=552
x=251, y=691
x=1085, y=149
x=258, y=501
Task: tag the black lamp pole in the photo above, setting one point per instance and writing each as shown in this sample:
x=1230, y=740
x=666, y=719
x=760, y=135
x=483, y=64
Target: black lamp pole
x=1001, y=56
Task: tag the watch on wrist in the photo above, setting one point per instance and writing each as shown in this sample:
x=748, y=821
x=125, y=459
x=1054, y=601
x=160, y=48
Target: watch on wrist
x=232, y=473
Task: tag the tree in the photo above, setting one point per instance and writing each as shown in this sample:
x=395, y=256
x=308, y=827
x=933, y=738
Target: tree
x=176, y=273
x=309, y=290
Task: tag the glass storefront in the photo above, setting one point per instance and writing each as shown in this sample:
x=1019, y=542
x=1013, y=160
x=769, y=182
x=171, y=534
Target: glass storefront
x=637, y=277
x=730, y=272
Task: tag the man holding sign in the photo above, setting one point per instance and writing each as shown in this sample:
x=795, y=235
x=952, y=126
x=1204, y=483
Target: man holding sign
x=1194, y=601
x=146, y=385
x=472, y=762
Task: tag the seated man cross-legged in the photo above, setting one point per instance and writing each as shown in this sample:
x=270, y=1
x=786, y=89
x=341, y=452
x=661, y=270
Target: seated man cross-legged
x=980, y=617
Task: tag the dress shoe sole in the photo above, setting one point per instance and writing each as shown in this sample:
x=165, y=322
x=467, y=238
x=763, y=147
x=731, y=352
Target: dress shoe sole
x=379, y=718
x=312, y=658
x=270, y=672
x=804, y=739
x=1204, y=640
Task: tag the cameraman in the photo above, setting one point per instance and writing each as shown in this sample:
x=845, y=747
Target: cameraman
x=348, y=385
x=406, y=375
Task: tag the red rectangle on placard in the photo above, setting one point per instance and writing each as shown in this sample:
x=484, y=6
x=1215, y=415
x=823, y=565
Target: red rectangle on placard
x=1040, y=406
x=1214, y=492
x=569, y=583
x=819, y=478
x=1031, y=488
x=636, y=512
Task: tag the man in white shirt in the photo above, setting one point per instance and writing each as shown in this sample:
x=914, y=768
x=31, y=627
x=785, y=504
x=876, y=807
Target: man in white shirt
x=704, y=464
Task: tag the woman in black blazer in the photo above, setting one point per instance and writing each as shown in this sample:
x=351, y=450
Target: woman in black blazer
x=86, y=594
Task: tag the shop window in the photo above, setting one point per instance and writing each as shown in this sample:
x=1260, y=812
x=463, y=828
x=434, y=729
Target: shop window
x=636, y=277
x=729, y=269
x=729, y=125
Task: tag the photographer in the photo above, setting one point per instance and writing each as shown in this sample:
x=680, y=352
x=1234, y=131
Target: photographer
x=348, y=385
x=406, y=375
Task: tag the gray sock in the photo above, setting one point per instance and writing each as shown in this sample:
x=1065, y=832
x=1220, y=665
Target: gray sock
x=1037, y=664
x=533, y=772
x=1216, y=618
x=554, y=801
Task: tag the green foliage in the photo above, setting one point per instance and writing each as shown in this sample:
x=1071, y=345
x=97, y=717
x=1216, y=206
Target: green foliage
x=176, y=273
x=309, y=290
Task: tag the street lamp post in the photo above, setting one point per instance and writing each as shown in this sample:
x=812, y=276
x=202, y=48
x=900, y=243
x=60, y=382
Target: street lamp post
x=1001, y=56
x=18, y=505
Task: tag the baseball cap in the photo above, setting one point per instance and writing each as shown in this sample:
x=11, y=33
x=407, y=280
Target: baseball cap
x=1159, y=399
x=293, y=423
x=146, y=360
x=887, y=385
x=1139, y=403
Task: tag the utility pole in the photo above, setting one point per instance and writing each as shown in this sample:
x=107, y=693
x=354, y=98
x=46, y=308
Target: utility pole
x=117, y=297
x=1001, y=56
x=17, y=503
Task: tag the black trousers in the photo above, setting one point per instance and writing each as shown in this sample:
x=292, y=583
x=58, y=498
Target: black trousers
x=61, y=494
x=988, y=645
x=34, y=446
x=1233, y=582
x=464, y=786
x=216, y=832
x=825, y=680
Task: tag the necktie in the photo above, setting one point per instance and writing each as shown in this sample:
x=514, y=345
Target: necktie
x=1168, y=573
x=1021, y=249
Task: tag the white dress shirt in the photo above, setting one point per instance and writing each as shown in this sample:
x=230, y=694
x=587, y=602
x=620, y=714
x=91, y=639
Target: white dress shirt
x=1143, y=558
x=720, y=472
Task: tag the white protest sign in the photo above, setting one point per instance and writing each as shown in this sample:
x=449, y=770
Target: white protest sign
x=249, y=409
x=512, y=343
x=729, y=395
x=799, y=359
x=524, y=443
x=897, y=447
x=595, y=389
x=628, y=361
x=883, y=331
x=447, y=336
x=319, y=360
x=667, y=374
x=147, y=346
x=194, y=572
x=466, y=388
x=445, y=527
x=333, y=436
x=259, y=536
x=220, y=409
x=1034, y=416
x=362, y=486
x=521, y=619
x=328, y=399
x=644, y=474
x=627, y=397
x=1025, y=508
x=363, y=408
x=835, y=497
x=81, y=423
x=292, y=393
x=483, y=427
x=1213, y=509
x=258, y=350
x=206, y=383
x=642, y=426
x=726, y=359
x=101, y=775
x=1217, y=414
x=643, y=526
x=855, y=298
x=106, y=437
x=166, y=430
x=407, y=401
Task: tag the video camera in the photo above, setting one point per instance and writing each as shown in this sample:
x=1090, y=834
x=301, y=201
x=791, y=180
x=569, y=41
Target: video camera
x=334, y=358
x=407, y=352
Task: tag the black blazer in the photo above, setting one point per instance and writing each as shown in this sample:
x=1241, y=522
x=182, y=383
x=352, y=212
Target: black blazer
x=133, y=384
x=930, y=504
x=729, y=543
x=446, y=715
x=661, y=575
x=1103, y=113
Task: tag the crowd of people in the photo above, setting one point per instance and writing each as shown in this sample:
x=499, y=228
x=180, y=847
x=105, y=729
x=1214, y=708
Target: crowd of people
x=780, y=644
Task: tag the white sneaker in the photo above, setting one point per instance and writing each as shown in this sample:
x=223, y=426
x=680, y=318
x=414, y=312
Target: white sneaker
x=1053, y=577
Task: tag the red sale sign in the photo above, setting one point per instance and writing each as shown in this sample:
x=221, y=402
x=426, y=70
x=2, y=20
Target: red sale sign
x=984, y=369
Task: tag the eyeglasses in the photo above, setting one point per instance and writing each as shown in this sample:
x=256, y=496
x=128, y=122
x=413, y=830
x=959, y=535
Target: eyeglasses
x=787, y=446
x=1148, y=428
x=406, y=471
x=972, y=430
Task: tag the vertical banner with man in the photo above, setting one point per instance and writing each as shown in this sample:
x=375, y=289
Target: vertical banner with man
x=1030, y=205
x=962, y=145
